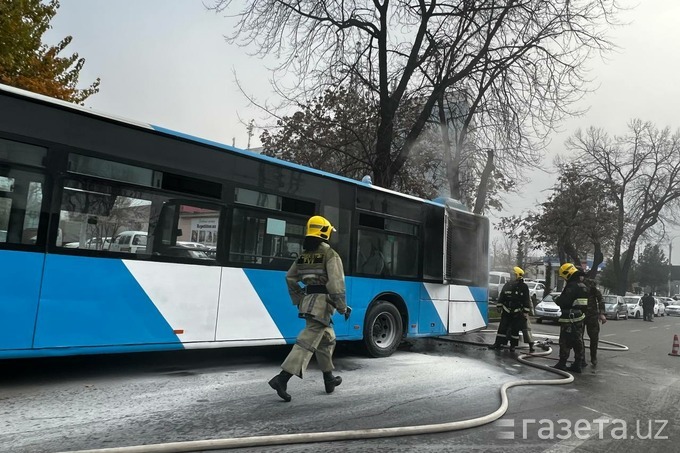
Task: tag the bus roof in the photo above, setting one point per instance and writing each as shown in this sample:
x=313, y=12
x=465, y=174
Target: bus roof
x=162, y=130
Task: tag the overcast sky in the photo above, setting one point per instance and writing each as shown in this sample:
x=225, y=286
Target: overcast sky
x=165, y=62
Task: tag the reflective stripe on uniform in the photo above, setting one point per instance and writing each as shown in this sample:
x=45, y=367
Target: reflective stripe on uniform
x=577, y=319
x=311, y=272
x=581, y=302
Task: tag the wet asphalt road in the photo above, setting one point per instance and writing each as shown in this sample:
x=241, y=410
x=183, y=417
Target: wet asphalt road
x=120, y=400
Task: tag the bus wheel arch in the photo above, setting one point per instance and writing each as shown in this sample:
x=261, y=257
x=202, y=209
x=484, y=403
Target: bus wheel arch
x=384, y=325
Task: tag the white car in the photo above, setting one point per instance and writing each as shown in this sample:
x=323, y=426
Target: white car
x=615, y=307
x=192, y=245
x=91, y=244
x=536, y=291
x=673, y=310
x=496, y=282
x=130, y=242
x=659, y=307
x=634, y=304
x=666, y=300
x=548, y=309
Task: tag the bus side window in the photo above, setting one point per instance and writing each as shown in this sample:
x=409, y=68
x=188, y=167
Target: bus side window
x=272, y=240
x=186, y=230
x=20, y=206
x=21, y=192
x=373, y=259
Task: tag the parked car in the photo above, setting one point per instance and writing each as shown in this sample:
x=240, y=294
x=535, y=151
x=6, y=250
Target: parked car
x=129, y=241
x=666, y=300
x=198, y=254
x=91, y=244
x=209, y=250
x=615, y=307
x=673, y=309
x=536, y=291
x=182, y=250
x=496, y=282
x=659, y=307
x=192, y=245
x=634, y=304
x=548, y=309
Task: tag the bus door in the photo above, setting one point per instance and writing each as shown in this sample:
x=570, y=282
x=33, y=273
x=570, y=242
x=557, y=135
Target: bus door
x=21, y=261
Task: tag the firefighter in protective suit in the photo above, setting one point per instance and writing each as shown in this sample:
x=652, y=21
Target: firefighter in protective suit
x=320, y=269
x=573, y=301
x=515, y=305
x=520, y=308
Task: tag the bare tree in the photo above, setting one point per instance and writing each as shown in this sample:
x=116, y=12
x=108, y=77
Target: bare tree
x=335, y=132
x=576, y=219
x=518, y=64
x=641, y=171
x=503, y=251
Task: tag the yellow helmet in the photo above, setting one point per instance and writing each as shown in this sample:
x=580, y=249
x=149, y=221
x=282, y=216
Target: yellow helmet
x=519, y=273
x=567, y=270
x=319, y=227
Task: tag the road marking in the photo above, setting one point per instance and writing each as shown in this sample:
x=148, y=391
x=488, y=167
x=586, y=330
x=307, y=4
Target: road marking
x=596, y=411
x=653, y=327
x=636, y=330
x=608, y=335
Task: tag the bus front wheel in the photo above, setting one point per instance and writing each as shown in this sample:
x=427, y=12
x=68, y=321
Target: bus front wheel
x=383, y=329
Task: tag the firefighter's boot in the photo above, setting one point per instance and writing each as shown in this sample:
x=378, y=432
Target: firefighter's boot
x=561, y=365
x=280, y=384
x=575, y=367
x=330, y=381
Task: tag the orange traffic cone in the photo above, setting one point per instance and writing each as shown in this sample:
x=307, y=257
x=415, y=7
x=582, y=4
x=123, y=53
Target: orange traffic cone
x=676, y=345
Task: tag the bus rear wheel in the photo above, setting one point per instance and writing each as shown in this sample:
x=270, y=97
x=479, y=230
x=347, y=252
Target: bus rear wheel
x=383, y=329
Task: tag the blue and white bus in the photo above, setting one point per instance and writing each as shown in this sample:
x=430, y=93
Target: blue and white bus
x=118, y=236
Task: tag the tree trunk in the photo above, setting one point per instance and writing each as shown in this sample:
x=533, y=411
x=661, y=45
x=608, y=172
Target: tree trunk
x=382, y=174
x=598, y=258
x=452, y=170
x=484, y=183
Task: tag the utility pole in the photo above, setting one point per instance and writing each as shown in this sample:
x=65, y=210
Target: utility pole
x=250, y=128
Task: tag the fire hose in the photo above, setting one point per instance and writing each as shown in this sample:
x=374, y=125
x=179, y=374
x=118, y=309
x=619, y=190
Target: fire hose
x=370, y=433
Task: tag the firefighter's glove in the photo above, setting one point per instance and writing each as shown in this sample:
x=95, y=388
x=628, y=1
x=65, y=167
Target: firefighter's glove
x=347, y=312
